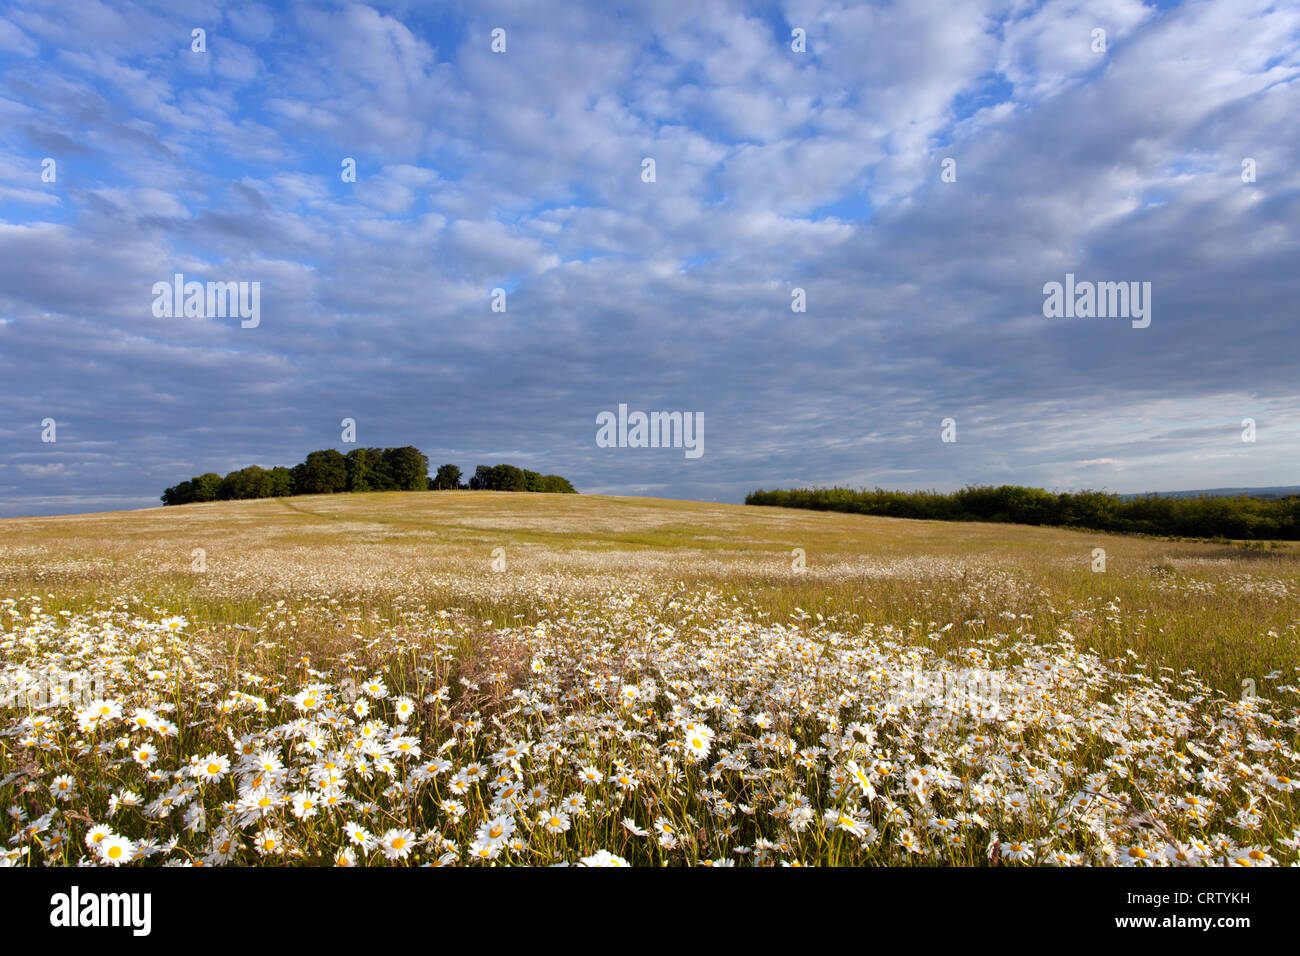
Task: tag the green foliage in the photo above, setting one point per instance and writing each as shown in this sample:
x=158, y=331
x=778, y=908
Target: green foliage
x=1238, y=516
x=366, y=470
x=323, y=473
x=362, y=469
x=406, y=468
x=510, y=478
x=203, y=487
x=447, y=479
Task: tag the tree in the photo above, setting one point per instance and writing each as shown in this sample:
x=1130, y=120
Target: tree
x=362, y=469
x=179, y=494
x=323, y=473
x=205, y=486
x=557, y=485
x=279, y=482
x=407, y=468
x=448, y=478
x=367, y=471
x=244, y=483
x=508, y=478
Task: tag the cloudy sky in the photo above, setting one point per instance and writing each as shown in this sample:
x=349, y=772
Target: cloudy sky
x=774, y=170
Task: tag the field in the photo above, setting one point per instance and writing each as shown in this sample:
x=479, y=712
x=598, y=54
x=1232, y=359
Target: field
x=479, y=678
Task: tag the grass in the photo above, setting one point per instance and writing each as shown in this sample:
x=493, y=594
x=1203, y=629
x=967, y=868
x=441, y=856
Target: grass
x=1225, y=611
x=700, y=614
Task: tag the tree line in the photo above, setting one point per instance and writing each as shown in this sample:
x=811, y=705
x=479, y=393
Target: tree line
x=363, y=469
x=1209, y=516
x=501, y=478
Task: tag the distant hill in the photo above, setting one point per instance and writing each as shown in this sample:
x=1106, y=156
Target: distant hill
x=1269, y=494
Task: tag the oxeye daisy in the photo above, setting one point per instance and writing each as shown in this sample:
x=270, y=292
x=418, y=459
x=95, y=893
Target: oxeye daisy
x=116, y=850
x=1137, y=855
x=1017, y=852
x=554, y=820
x=404, y=708
x=396, y=844
x=304, y=805
x=269, y=842
x=358, y=835
x=575, y=803
x=96, y=835
x=604, y=858
x=497, y=830
x=64, y=787
x=211, y=768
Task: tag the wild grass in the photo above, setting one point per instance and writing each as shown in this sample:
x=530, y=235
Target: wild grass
x=762, y=709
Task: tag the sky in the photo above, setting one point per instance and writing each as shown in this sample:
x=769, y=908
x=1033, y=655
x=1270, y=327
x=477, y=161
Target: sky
x=921, y=171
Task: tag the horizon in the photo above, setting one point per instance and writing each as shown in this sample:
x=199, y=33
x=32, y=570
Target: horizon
x=860, y=246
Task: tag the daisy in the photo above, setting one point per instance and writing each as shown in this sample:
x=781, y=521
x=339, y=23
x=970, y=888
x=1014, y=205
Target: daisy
x=554, y=820
x=1017, y=852
x=699, y=740
x=497, y=830
x=96, y=835
x=575, y=804
x=667, y=832
x=269, y=842
x=115, y=850
x=358, y=835
x=396, y=844
x=64, y=787
x=211, y=768
x=604, y=858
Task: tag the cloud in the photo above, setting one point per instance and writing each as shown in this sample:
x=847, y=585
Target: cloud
x=775, y=171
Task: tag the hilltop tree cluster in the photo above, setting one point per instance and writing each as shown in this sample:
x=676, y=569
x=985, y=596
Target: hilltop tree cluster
x=362, y=469
x=510, y=478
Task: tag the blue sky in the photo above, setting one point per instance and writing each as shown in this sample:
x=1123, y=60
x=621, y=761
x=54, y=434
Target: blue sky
x=774, y=170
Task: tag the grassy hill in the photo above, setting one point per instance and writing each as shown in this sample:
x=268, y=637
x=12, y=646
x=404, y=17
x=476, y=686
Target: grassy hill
x=469, y=678
x=1201, y=605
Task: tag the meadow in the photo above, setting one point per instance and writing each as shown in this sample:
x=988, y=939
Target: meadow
x=479, y=678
